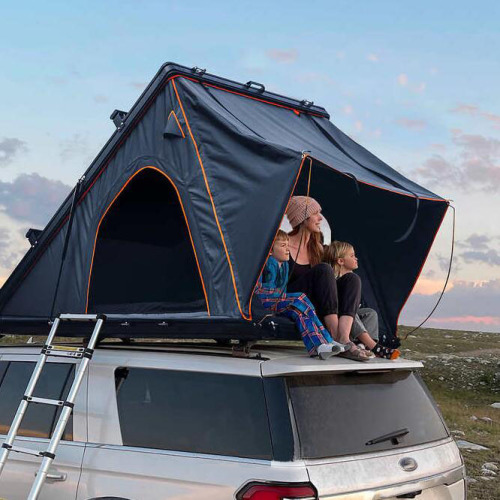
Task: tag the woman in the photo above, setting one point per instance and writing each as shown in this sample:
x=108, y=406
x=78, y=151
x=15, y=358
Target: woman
x=336, y=301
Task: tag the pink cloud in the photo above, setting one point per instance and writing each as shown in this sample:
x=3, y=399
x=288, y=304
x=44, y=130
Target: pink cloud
x=347, y=109
x=429, y=286
x=373, y=57
x=403, y=79
x=283, y=56
x=466, y=305
x=138, y=85
x=477, y=320
x=476, y=167
x=313, y=77
x=412, y=124
x=420, y=88
x=476, y=111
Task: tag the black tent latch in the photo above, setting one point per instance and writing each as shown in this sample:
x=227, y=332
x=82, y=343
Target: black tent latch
x=306, y=103
x=198, y=71
x=33, y=235
x=256, y=85
x=118, y=117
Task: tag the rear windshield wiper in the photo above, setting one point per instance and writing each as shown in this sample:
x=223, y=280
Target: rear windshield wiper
x=392, y=436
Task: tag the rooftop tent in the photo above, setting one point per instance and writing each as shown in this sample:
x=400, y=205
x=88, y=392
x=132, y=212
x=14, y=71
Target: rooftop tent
x=173, y=221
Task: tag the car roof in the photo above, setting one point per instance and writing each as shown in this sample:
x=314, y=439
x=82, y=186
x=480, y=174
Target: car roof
x=267, y=359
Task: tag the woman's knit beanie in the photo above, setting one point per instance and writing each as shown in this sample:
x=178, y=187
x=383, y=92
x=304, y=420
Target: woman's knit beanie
x=301, y=208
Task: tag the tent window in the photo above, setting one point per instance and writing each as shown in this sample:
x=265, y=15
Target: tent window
x=144, y=260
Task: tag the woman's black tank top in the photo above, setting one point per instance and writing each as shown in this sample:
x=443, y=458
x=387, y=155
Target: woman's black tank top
x=297, y=270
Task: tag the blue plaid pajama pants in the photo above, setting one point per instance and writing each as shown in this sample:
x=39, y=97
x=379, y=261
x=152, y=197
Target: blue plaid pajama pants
x=298, y=308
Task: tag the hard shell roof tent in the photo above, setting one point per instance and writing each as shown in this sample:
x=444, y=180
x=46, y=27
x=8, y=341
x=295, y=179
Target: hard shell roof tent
x=169, y=229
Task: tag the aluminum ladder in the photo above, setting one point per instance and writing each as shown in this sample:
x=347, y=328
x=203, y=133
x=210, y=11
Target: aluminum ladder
x=84, y=354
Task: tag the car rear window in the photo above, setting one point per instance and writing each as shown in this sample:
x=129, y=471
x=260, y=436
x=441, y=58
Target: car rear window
x=350, y=413
x=39, y=420
x=193, y=412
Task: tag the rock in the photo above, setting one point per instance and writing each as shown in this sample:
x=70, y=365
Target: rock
x=441, y=378
x=458, y=433
x=484, y=478
x=488, y=420
x=470, y=480
x=490, y=466
x=473, y=417
x=466, y=445
x=488, y=472
x=495, y=405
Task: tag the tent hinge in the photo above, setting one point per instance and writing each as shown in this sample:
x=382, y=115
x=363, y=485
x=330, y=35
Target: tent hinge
x=199, y=71
x=243, y=348
x=118, y=118
x=306, y=103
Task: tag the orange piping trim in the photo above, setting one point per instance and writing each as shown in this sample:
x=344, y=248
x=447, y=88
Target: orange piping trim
x=178, y=123
x=276, y=233
x=421, y=269
x=185, y=218
x=297, y=111
x=385, y=189
x=249, y=317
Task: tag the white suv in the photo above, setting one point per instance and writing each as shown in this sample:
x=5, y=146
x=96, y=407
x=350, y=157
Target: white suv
x=193, y=421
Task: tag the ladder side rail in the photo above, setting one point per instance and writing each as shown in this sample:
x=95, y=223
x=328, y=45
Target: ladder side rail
x=23, y=405
x=64, y=417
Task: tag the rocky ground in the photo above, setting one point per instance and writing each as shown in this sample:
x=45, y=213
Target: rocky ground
x=462, y=370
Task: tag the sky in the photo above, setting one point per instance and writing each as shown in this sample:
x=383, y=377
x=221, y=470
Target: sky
x=416, y=83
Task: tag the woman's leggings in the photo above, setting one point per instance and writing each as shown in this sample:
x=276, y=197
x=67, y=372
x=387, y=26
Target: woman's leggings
x=329, y=295
x=298, y=308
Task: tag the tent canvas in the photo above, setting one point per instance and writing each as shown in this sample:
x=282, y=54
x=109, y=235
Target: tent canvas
x=173, y=221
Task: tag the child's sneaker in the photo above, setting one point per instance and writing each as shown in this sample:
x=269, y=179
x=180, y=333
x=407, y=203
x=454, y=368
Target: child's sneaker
x=385, y=352
x=326, y=351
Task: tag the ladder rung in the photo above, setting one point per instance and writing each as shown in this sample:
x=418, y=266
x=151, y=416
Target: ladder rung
x=26, y=451
x=45, y=401
x=64, y=351
x=79, y=317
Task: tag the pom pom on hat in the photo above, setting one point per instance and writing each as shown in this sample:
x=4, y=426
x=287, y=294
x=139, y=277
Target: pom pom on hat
x=301, y=208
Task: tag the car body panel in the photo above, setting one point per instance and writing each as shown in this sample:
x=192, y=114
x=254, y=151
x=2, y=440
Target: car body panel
x=376, y=471
x=19, y=472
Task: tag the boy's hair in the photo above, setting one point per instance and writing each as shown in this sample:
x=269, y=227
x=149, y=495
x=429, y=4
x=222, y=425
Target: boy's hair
x=334, y=251
x=281, y=236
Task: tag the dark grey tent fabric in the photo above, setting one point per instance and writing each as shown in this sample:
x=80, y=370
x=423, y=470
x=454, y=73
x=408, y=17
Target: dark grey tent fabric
x=197, y=181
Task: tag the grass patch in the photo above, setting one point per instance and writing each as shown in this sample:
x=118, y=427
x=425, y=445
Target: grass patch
x=462, y=370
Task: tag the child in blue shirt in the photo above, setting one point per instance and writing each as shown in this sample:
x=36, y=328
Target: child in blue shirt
x=271, y=290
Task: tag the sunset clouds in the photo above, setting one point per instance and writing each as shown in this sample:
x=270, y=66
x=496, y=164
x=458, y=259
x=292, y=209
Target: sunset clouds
x=32, y=198
x=10, y=147
x=467, y=305
x=474, y=164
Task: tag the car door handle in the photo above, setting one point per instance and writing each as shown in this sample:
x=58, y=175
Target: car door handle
x=55, y=477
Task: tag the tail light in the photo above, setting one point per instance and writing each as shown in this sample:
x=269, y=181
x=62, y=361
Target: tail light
x=277, y=491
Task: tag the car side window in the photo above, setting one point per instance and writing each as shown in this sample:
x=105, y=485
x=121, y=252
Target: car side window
x=193, y=412
x=39, y=420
